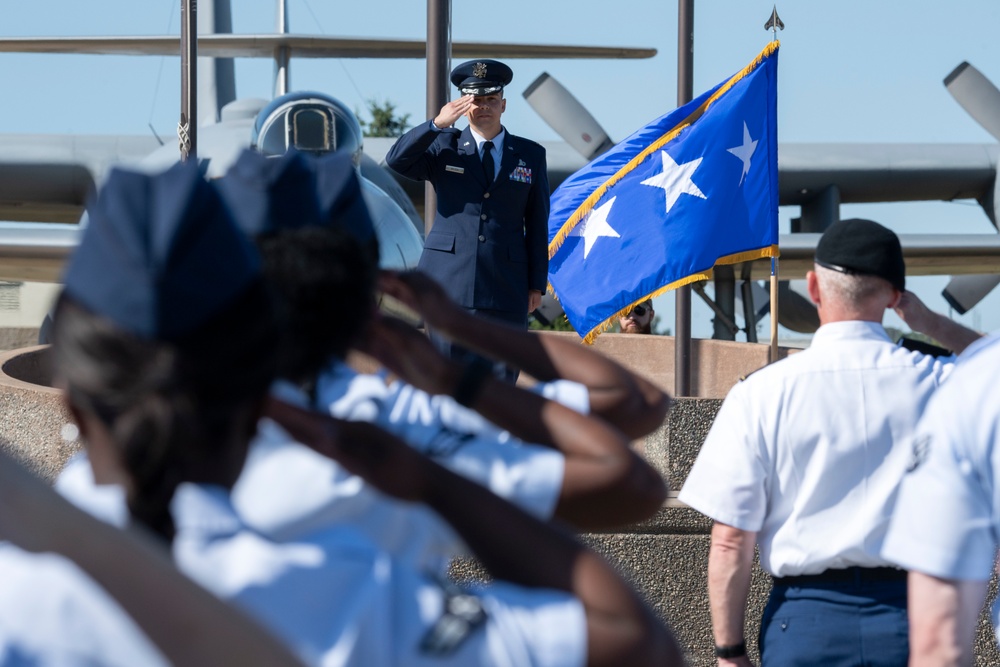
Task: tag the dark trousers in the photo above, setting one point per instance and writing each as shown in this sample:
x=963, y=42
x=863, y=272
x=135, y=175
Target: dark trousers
x=842, y=623
x=463, y=355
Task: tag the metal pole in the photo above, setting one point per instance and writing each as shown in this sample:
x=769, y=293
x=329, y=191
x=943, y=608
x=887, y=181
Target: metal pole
x=438, y=55
x=685, y=92
x=187, y=128
x=725, y=300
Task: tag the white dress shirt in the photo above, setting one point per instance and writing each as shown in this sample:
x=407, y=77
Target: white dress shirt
x=53, y=614
x=809, y=452
x=339, y=600
x=947, y=518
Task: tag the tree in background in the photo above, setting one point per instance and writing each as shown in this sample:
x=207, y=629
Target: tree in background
x=558, y=324
x=384, y=121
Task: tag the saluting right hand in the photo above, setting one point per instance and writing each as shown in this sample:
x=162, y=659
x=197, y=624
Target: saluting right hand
x=420, y=292
x=452, y=111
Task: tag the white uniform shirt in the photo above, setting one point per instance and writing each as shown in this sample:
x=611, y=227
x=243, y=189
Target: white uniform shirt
x=338, y=600
x=52, y=613
x=287, y=490
x=947, y=516
x=529, y=476
x=809, y=452
x=330, y=592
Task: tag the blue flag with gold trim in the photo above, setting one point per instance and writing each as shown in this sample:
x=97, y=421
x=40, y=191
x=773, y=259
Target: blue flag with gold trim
x=694, y=188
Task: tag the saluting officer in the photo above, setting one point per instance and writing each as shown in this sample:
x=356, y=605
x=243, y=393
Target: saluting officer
x=489, y=243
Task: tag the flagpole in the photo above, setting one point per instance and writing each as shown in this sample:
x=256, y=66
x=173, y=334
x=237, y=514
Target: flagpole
x=438, y=55
x=685, y=93
x=774, y=309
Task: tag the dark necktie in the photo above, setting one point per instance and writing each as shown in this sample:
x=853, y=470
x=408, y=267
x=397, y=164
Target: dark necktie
x=488, y=167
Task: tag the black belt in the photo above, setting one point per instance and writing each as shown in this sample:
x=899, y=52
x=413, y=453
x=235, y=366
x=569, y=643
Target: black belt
x=849, y=575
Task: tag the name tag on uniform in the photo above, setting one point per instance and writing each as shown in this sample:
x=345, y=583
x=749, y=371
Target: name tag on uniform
x=454, y=170
x=521, y=175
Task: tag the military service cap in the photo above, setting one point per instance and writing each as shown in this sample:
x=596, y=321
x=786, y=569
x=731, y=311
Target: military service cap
x=481, y=77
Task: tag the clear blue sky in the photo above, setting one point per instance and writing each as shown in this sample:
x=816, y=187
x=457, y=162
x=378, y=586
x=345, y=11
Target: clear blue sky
x=850, y=71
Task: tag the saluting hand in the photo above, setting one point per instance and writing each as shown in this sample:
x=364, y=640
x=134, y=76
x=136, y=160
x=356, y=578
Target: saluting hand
x=912, y=310
x=410, y=355
x=452, y=111
x=421, y=293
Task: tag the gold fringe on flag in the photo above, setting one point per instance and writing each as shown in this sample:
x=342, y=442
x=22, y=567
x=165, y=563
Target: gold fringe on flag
x=736, y=258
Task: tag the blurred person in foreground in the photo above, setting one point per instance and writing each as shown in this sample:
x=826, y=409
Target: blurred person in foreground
x=170, y=430
x=945, y=526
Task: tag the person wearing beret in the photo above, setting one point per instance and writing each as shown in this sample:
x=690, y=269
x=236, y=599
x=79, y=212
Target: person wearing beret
x=805, y=459
x=489, y=242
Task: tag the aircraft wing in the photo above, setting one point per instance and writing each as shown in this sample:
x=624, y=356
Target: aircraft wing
x=32, y=252
x=305, y=46
x=886, y=172
x=47, y=178
x=925, y=255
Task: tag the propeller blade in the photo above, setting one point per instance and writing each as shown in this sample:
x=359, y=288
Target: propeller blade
x=977, y=95
x=963, y=292
x=567, y=116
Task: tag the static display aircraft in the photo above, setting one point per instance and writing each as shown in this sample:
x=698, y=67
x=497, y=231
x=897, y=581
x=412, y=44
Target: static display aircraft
x=47, y=179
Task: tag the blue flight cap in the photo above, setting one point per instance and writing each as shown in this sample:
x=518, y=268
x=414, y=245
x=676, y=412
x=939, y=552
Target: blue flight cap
x=270, y=194
x=160, y=255
x=481, y=77
x=340, y=200
x=266, y=194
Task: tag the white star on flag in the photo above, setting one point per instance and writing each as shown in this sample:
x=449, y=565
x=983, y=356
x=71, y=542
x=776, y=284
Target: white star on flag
x=675, y=180
x=595, y=225
x=744, y=152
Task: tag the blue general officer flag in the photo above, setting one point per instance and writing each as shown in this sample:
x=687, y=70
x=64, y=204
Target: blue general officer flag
x=693, y=188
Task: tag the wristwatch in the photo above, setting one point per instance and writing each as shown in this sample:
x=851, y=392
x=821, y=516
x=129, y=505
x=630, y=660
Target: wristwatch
x=731, y=651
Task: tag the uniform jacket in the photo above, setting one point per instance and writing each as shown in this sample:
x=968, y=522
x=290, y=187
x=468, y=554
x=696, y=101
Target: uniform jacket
x=488, y=246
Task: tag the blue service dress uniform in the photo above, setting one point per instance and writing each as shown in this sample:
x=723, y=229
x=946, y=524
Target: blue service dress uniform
x=489, y=243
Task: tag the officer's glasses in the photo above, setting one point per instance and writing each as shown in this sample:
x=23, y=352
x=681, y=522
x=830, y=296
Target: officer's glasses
x=639, y=311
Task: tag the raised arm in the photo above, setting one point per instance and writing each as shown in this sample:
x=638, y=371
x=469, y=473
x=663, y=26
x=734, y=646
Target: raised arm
x=409, y=155
x=920, y=318
x=627, y=401
x=188, y=624
x=605, y=484
x=513, y=545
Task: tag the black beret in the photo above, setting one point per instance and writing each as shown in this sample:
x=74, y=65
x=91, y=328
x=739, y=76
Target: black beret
x=160, y=254
x=863, y=247
x=481, y=77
